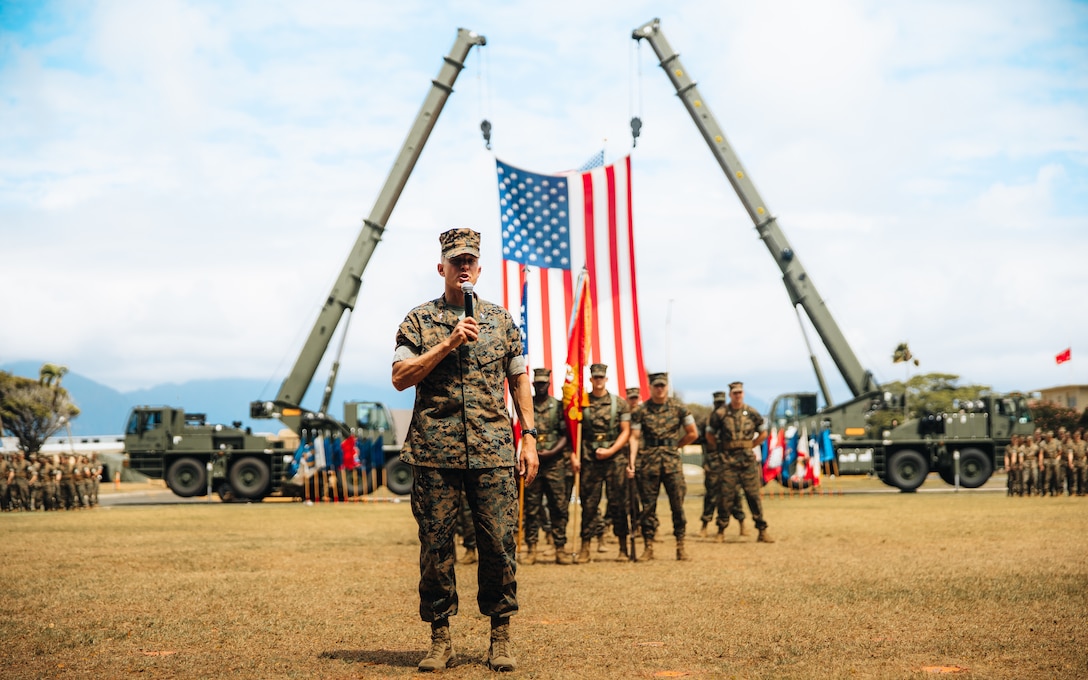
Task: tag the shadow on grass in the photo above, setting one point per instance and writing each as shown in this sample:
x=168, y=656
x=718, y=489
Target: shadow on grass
x=388, y=657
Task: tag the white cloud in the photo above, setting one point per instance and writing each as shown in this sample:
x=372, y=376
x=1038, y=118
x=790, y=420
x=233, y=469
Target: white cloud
x=179, y=182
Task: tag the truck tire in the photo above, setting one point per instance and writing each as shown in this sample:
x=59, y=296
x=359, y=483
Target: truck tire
x=398, y=477
x=907, y=470
x=187, y=477
x=975, y=468
x=249, y=478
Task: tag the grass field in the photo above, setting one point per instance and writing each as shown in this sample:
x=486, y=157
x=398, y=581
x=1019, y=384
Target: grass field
x=862, y=585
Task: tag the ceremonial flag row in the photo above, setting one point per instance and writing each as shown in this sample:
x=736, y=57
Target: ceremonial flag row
x=794, y=457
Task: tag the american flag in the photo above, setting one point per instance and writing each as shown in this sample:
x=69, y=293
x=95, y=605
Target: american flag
x=553, y=224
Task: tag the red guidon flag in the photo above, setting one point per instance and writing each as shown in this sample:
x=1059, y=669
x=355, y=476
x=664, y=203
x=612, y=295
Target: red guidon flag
x=1065, y=356
x=575, y=397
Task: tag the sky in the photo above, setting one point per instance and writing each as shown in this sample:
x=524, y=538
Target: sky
x=180, y=182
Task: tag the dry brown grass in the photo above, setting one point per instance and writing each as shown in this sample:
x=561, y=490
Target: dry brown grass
x=862, y=585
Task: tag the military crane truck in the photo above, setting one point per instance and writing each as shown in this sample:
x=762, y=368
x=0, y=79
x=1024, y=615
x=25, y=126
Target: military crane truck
x=969, y=444
x=193, y=456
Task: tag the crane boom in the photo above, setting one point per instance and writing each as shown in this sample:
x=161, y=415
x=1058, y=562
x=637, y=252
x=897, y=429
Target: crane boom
x=798, y=284
x=345, y=290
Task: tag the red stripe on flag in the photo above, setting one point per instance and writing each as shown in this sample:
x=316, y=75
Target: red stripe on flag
x=546, y=319
x=643, y=381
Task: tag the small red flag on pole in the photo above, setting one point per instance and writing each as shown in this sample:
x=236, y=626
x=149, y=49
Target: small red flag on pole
x=1065, y=356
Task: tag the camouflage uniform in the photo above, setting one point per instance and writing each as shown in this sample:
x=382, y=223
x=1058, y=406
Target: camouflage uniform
x=68, y=491
x=1080, y=464
x=601, y=421
x=658, y=463
x=5, y=472
x=1052, y=454
x=713, y=466
x=550, y=485
x=1012, y=467
x=460, y=438
x=1029, y=467
x=736, y=429
x=19, y=487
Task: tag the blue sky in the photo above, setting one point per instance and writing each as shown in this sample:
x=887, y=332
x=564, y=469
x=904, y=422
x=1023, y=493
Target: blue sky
x=181, y=181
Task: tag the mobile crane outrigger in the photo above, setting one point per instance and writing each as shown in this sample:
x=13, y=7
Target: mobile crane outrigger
x=193, y=456
x=965, y=446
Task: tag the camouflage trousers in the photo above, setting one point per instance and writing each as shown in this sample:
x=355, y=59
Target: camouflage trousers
x=20, y=494
x=654, y=468
x=492, y=497
x=1080, y=477
x=549, y=487
x=713, y=463
x=590, y=490
x=465, y=528
x=1029, y=479
x=1052, y=478
x=618, y=506
x=741, y=472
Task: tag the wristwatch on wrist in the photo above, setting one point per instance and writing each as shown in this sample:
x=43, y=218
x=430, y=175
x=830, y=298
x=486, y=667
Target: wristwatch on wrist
x=531, y=430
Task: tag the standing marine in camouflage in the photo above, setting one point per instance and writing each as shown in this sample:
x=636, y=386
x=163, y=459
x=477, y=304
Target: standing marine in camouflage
x=655, y=452
x=713, y=463
x=1050, y=455
x=1012, y=466
x=1079, y=448
x=461, y=438
x=740, y=429
x=19, y=482
x=606, y=428
x=1029, y=465
x=550, y=485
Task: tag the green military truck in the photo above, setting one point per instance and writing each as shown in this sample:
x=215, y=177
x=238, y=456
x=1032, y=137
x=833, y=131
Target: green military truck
x=964, y=447
x=195, y=458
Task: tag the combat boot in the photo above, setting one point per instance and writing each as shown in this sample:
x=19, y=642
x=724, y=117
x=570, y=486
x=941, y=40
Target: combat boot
x=648, y=549
x=681, y=553
x=720, y=536
x=583, y=552
x=499, y=656
x=764, y=537
x=441, y=648
x=602, y=541
x=562, y=556
x=469, y=557
x=743, y=529
x=702, y=531
x=530, y=554
x=624, y=555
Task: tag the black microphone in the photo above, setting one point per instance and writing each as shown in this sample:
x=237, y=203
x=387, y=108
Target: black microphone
x=466, y=288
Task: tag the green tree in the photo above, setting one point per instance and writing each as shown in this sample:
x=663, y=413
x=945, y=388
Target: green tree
x=33, y=410
x=1050, y=416
x=927, y=393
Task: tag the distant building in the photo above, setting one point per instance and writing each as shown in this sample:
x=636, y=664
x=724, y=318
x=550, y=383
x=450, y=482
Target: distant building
x=1066, y=396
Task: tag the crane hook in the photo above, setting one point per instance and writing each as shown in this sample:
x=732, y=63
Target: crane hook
x=636, y=129
x=485, y=127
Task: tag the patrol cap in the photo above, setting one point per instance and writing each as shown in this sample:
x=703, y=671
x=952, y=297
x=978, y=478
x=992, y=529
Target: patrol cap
x=632, y=392
x=719, y=396
x=659, y=378
x=542, y=375
x=736, y=387
x=460, y=242
x=598, y=370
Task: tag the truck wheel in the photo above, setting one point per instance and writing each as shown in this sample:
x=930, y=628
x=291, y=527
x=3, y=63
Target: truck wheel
x=398, y=477
x=907, y=470
x=975, y=468
x=249, y=477
x=187, y=477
